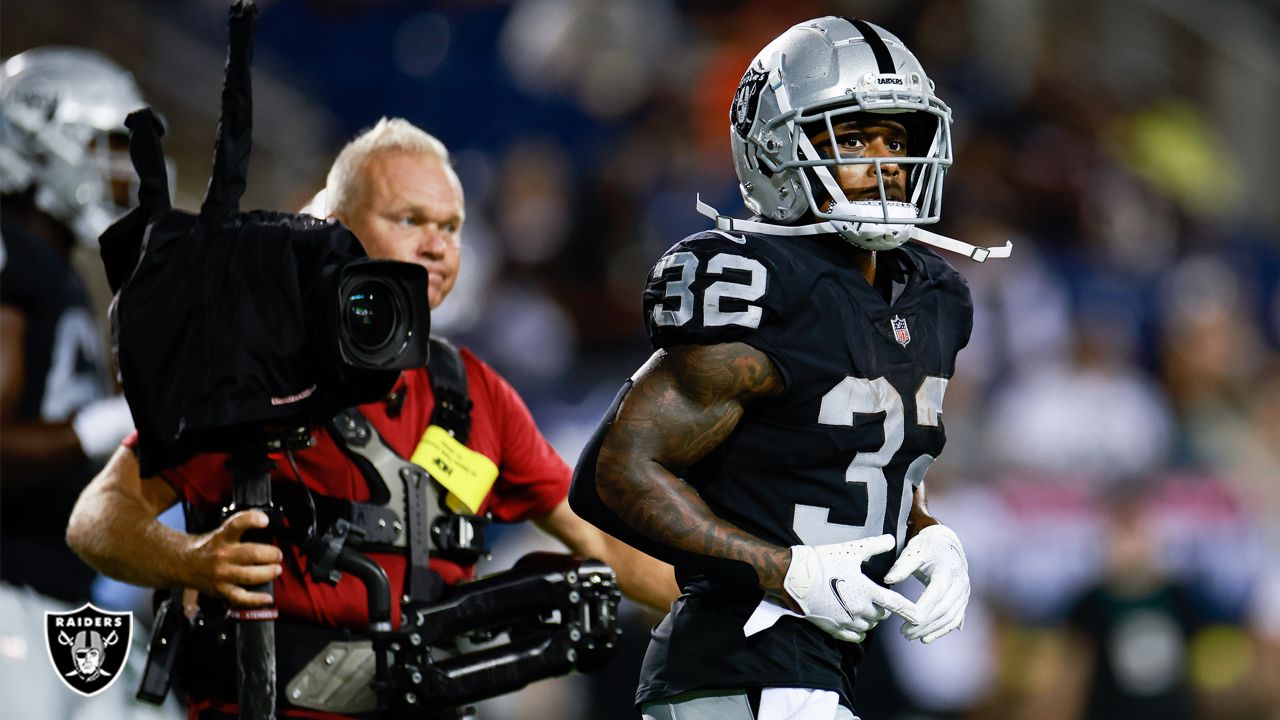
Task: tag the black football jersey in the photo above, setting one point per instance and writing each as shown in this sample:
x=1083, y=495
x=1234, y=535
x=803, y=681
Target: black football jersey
x=833, y=458
x=63, y=360
x=63, y=369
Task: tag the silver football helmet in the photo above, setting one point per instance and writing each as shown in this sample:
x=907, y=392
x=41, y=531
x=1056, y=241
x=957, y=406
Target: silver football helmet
x=59, y=107
x=810, y=78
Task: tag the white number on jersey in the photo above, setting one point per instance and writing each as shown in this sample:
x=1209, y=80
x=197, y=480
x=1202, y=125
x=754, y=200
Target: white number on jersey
x=68, y=386
x=851, y=396
x=712, y=314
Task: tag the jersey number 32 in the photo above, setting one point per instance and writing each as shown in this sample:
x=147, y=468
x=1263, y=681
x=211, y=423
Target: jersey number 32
x=855, y=395
x=713, y=315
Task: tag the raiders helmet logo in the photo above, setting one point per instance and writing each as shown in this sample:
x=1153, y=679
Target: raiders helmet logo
x=40, y=99
x=742, y=113
x=88, y=647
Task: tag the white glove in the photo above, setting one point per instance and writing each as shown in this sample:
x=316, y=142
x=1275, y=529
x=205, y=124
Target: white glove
x=826, y=581
x=935, y=557
x=102, y=425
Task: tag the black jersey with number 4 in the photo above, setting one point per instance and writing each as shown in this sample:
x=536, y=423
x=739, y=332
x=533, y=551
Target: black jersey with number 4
x=833, y=458
x=62, y=371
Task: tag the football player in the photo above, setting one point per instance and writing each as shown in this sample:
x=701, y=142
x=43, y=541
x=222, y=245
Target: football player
x=774, y=447
x=64, y=176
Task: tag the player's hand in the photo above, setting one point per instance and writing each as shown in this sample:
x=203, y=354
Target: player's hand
x=220, y=563
x=827, y=584
x=934, y=556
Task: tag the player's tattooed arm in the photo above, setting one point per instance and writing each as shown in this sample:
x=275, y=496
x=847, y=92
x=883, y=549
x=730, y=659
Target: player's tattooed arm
x=919, y=518
x=683, y=403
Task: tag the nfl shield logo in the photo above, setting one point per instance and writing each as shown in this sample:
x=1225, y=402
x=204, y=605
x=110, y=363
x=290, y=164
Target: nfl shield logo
x=88, y=647
x=900, y=331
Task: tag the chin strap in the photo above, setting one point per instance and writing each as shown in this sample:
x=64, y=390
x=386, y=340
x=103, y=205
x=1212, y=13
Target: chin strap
x=942, y=242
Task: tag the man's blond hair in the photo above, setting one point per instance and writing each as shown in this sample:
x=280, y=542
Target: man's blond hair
x=390, y=134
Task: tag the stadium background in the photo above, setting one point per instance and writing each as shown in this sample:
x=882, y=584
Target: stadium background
x=1118, y=411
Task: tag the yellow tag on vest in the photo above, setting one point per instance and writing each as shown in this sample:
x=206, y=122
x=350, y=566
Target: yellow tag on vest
x=465, y=473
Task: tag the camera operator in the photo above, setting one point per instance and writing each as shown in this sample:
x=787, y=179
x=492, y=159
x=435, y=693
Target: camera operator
x=394, y=188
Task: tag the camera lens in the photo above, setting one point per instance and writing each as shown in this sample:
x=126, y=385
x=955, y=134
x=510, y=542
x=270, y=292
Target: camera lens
x=381, y=315
x=372, y=315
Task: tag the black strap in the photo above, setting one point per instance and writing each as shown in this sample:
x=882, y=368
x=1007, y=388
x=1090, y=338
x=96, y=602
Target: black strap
x=883, y=59
x=449, y=383
x=422, y=584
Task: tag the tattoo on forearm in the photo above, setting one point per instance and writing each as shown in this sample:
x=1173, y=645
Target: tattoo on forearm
x=676, y=516
x=678, y=412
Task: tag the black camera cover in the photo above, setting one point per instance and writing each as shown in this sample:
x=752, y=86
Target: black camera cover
x=223, y=322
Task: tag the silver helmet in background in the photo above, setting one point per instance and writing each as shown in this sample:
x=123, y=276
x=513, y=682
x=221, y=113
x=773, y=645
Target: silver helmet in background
x=59, y=110
x=810, y=78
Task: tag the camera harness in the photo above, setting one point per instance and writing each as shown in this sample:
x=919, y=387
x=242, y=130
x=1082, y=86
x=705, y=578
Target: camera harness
x=409, y=508
x=557, y=613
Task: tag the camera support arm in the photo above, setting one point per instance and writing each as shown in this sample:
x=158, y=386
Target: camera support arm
x=547, y=616
x=378, y=589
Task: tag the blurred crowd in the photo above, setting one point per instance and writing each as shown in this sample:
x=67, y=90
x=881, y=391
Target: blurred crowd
x=1114, y=426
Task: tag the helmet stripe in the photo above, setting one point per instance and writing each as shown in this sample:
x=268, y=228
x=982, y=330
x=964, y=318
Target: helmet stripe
x=883, y=59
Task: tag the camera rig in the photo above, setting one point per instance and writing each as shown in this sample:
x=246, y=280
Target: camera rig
x=184, y=282
x=547, y=616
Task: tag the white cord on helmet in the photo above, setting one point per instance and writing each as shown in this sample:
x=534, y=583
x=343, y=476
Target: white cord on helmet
x=974, y=252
